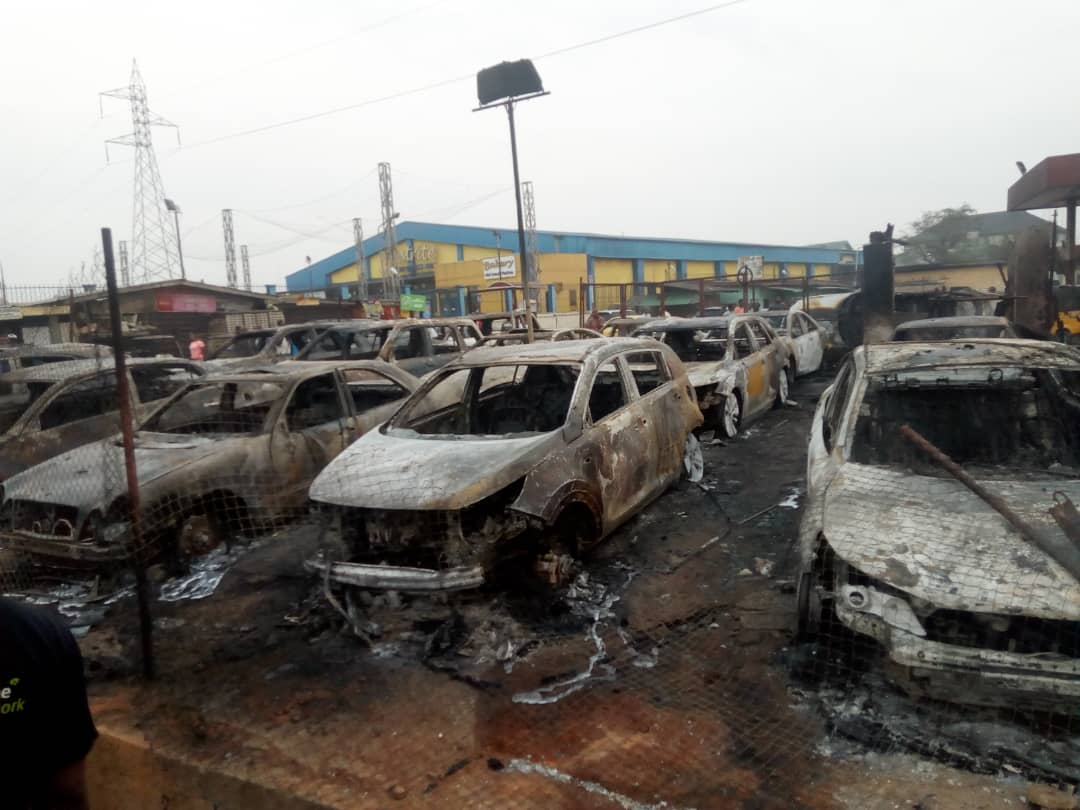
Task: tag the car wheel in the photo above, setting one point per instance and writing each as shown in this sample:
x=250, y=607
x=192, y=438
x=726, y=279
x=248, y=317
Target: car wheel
x=783, y=387
x=808, y=603
x=196, y=536
x=693, y=463
x=729, y=415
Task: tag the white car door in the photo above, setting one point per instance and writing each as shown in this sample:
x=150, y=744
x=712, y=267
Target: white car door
x=813, y=343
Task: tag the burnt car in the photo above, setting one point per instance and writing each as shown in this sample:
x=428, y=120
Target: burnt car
x=492, y=323
x=258, y=347
x=520, y=338
x=225, y=455
x=806, y=339
x=960, y=327
x=532, y=453
x=737, y=365
x=49, y=409
x=895, y=548
x=13, y=358
x=623, y=326
x=417, y=346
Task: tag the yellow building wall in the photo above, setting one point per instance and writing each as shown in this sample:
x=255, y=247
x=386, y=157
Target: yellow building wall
x=469, y=252
x=613, y=271
x=656, y=270
x=700, y=269
x=565, y=270
x=979, y=278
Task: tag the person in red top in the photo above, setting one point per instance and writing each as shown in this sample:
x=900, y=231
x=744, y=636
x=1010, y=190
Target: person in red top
x=197, y=348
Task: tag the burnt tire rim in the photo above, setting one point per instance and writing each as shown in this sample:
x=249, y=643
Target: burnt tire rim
x=693, y=459
x=198, y=536
x=784, y=385
x=732, y=412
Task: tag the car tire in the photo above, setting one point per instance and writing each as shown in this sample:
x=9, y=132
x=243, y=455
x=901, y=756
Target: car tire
x=783, y=387
x=808, y=608
x=693, y=460
x=729, y=415
x=198, y=534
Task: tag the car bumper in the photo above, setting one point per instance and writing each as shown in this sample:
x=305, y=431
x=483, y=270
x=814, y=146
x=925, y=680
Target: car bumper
x=401, y=578
x=973, y=675
x=47, y=546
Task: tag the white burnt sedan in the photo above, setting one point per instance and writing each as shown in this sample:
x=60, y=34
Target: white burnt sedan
x=894, y=547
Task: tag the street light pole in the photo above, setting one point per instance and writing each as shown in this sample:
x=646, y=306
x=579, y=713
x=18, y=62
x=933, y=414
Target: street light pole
x=521, y=225
x=172, y=206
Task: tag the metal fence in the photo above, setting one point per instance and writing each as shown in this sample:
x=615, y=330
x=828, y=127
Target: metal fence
x=875, y=635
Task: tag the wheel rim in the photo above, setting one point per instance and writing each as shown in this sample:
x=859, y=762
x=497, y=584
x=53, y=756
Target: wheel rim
x=783, y=385
x=731, y=415
x=693, y=460
x=198, y=536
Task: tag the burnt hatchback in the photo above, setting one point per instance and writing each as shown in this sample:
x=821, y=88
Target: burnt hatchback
x=527, y=453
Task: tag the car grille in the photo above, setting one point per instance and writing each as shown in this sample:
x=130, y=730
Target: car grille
x=1004, y=633
x=58, y=520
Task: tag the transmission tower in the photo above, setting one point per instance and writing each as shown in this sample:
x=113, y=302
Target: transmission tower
x=230, y=247
x=532, y=263
x=245, y=265
x=125, y=268
x=361, y=275
x=391, y=285
x=153, y=242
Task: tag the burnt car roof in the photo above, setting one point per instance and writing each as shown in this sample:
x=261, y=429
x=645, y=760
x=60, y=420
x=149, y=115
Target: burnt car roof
x=84, y=349
x=885, y=357
x=555, y=351
x=679, y=324
x=371, y=325
x=54, y=372
x=956, y=320
x=292, y=369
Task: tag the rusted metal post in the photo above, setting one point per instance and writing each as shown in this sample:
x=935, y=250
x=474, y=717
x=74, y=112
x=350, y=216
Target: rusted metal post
x=127, y=431
x=73, y=328
x=663, y=298
x=581, y=303
x=1070, y=241
x=1061, y=550
x=622, y=300
x=701, y=297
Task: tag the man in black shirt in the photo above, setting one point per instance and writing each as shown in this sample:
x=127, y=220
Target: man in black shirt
x=45, y=725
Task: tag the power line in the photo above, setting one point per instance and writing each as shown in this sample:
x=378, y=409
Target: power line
x=341, y=190
x=463, y=77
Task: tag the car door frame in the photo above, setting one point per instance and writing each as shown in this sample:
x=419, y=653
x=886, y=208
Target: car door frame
x=751, y=365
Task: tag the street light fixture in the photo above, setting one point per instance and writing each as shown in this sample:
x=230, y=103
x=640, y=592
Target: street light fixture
x=501, y=86
x=169, y=204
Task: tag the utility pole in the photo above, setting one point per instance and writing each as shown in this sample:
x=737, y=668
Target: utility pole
x=246, y=267
x=125, y=268
x=532, y=266
x=391, y=283
x=153, y=245
x=361, y=274
x=230, y=247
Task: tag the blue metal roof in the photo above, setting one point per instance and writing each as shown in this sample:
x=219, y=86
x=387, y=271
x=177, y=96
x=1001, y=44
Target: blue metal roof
x=599, y=246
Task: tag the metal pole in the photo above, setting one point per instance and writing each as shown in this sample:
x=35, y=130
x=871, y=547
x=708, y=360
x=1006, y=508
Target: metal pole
x=128, y=434
x=179, y=248
x=520, y=224
x=1070, y=238
x=622, y=300
x=701, y=297
x=581, y=302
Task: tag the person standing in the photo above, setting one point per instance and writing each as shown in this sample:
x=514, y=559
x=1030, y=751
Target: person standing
x=595, y=321
x=46, y=730
x=197, y=348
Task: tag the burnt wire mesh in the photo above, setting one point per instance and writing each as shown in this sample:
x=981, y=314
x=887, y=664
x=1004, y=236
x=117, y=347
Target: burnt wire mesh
x=752, y=639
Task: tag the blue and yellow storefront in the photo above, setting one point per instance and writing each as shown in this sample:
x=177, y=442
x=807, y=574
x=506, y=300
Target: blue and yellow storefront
x=462, y=268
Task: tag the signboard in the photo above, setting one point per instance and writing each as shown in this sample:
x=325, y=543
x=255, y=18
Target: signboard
x=184, y=302
x=413, y=303
x=10, y=313
x=755, y=263
x=505, y=267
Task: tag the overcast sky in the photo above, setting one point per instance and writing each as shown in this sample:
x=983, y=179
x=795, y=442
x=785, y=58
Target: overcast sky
x=775, y=121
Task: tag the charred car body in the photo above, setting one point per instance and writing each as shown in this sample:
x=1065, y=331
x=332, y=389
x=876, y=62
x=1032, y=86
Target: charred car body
x=259, y=347
x=737, y=365
x=49, y=409
x=529, y=453
x=417, y=346
x=226, y=454
x=893, y=547
x=806, y=339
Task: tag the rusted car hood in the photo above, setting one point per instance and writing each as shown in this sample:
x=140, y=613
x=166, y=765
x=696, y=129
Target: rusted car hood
x=936, y=540
x=702, y=374
x=427, y=473
x=93, y=475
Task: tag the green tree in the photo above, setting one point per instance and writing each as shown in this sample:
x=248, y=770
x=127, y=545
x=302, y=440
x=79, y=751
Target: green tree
x=940, y=236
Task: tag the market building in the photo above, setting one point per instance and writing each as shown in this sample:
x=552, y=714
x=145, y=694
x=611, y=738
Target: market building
x=461, y=268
